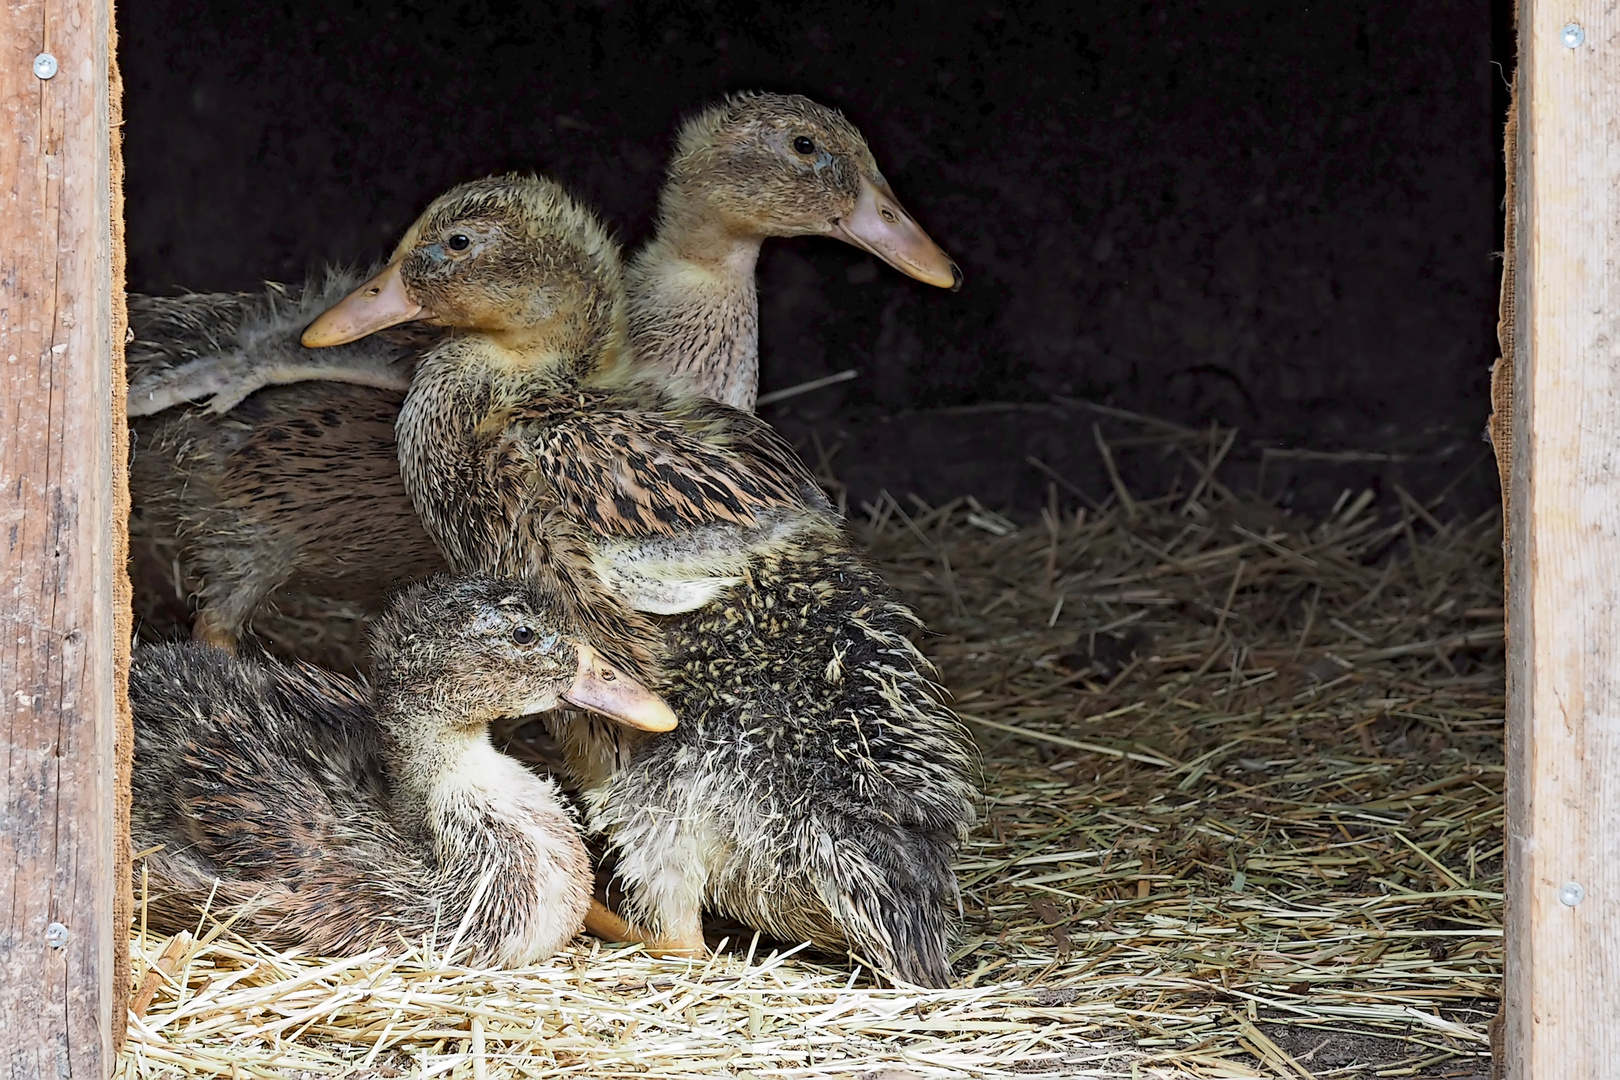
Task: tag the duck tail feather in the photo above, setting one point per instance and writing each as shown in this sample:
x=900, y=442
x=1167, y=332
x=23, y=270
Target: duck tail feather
x=895, y=907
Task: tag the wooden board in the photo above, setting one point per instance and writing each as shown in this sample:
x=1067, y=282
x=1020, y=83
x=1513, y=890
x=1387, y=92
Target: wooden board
x=62, y=861
x=1563, y=816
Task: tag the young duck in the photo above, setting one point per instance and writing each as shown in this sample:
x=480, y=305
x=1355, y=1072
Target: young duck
x=322, y=815
x=749, y=168
x=530, y=446
x=221, y=347
x=817, y=786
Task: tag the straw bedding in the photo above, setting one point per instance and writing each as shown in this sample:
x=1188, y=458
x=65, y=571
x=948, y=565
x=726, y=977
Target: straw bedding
x=1242, y=818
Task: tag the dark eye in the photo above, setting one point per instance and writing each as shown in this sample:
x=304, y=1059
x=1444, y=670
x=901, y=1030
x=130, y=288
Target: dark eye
x=461, y=242
x=804, y=144
x=523, y=635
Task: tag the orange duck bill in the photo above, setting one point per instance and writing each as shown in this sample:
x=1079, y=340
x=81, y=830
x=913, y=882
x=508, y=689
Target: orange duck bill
x=880, y=225
x=602, y=688
x=378, y=304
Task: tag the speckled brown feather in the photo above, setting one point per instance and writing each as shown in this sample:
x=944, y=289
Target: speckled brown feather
x=625, y=470
x=816, y=798
x=220, y=517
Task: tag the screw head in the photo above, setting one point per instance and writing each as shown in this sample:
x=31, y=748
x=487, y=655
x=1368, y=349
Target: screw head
x=45, y=65
x=1571, y=893
x=56, y=936
x=1574, y=35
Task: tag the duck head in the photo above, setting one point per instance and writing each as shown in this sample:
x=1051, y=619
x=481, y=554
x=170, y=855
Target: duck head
x=782, y=165
x=473, y=649
x=512, y=257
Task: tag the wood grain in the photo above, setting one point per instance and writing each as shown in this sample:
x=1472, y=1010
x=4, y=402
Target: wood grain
x=1563, y=815
x=59, y=578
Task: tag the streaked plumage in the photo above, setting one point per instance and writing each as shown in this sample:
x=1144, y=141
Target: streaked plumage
x=817, y=788
x=318, y=813
x=526, y=442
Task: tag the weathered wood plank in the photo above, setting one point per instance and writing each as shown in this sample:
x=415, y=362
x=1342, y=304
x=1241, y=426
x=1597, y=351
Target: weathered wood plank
x=1563, y=824
x=123, y=593
x=60, y=858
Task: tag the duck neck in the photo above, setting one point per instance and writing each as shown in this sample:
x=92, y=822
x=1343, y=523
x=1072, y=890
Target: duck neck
x=593, y=748
x=694, y=307
x=499, y=838
x=426, y=751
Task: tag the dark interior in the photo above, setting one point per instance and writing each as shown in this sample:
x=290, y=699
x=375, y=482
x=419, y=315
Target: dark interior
x=1283, y=218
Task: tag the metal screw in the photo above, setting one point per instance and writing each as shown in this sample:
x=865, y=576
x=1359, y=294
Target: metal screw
x=1574, y=36
x=45, y=65
x=56, y=936
x=1571, y=893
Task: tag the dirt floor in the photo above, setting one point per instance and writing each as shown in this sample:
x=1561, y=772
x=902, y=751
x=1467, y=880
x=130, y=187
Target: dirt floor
x=1279, y=217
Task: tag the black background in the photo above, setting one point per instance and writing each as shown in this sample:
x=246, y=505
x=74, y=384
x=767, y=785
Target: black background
x=1280, y=217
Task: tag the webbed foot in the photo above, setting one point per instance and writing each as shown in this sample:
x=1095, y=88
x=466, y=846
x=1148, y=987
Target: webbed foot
x=609, y=925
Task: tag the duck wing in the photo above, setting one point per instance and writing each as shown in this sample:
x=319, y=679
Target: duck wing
x=631, y=473
x=680, y=500
x=217, y=348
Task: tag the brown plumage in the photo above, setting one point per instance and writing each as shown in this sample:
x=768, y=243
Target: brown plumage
x=817, y=787
x=526, y=441
x=242, y=515
x=321, y=814
x=218, y=518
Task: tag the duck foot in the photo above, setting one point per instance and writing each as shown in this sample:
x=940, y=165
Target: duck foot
x=609, y=925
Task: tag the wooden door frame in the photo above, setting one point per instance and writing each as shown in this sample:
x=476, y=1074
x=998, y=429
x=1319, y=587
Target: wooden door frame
x=64, y=591
x=1561, y=342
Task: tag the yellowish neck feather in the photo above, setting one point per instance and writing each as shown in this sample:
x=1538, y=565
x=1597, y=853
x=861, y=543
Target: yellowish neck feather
x=691, y=230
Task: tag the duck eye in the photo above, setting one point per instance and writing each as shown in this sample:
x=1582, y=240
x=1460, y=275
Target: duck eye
x=524, y=635
x=804, y=144
x=460, y=242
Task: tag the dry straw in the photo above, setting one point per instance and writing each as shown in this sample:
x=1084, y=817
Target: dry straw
x=1242, y=818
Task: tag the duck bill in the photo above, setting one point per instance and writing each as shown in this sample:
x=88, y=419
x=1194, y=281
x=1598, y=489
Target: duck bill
x=378, y=304
x=602, y=688
x=880, y=225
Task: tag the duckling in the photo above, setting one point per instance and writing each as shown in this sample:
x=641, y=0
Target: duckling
x=529, y=445
x=250, y=513
x=746, y=169
x=817, y=786
x=321, y=814
x=260, y=515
